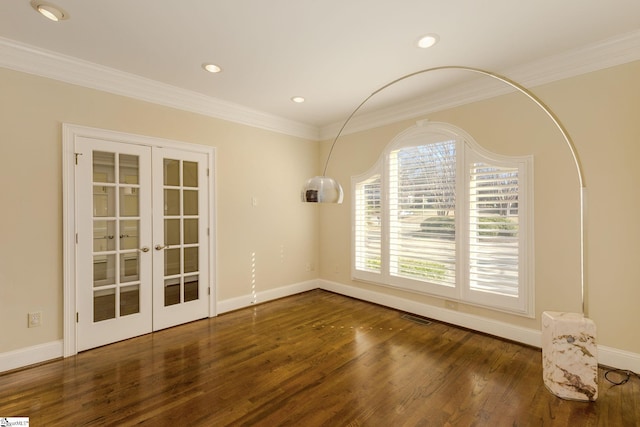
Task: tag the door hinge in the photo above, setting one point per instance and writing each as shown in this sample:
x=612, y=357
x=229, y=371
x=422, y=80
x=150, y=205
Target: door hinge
x=207, y=171
x=77, y=154
x=76, y=238
x=77, y=317
x=208, y=291
x=208, y=231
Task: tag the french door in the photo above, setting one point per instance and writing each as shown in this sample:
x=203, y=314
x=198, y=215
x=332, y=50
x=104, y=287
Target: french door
x=180, y=252
x=142, y=239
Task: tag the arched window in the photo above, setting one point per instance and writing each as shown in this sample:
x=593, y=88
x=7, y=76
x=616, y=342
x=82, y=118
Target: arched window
x=440, y=215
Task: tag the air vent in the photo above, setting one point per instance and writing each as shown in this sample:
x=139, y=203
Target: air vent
x=416, y=319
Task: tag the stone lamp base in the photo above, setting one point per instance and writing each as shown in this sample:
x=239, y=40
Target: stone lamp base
x=569, y=356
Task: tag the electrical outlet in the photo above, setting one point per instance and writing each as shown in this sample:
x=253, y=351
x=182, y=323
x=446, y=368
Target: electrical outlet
x=34, y=319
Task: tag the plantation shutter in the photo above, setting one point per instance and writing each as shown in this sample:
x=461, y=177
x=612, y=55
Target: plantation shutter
x=494, y=229
x=440, y=215
x=368, y=236
x=422, y=201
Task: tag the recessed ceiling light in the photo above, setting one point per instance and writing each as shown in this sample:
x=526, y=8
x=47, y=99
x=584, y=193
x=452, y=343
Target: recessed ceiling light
x=49, y=10
x=212, y=68
x=298, y=99
x=427, y=41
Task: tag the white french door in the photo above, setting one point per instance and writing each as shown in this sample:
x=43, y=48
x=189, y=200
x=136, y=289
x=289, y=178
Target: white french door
x=142, y=239
x=180, y=252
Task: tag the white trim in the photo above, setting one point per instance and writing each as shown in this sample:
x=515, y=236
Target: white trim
x=213, y=233
x=620, y=359
x=68, y=242
x=522, y=335
x=69, y=134
x=607, y=356
x=607, y=53
x=231, y=304
x=467, y=152
x=30, y=355
x=33, y=60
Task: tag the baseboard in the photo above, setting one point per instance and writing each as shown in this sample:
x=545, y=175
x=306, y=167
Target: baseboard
x=30, y=355
x=27, y=356
x=248, y=300
x=607, y=356
x=619, y=359
x=477, y=323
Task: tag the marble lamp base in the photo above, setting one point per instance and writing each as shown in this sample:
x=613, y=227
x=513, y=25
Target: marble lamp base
x=569, y=356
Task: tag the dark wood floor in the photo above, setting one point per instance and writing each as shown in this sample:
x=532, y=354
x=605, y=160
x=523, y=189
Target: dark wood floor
x=314, y=359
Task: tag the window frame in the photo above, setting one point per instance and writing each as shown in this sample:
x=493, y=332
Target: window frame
x=467, y=152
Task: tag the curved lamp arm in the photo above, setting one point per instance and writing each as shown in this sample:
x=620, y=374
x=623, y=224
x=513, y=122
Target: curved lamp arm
x=315, y=187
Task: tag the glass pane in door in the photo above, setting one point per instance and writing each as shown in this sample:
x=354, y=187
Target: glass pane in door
x=190, y=174
x=104, y=270
x=190, y=260
x=104, y=233
x=172, y=202
x=116, y=224
x=190, y=231
x=171, y=172
x=104, y=203
x=129, y=234
x=129, y=300
x=129, y=201
x=190, y=202
x=171, y=292
x=129, y=169
x=129, y=267
x=104, y=166
x=104, y=304
x=191, y=286
x=172, y=262
x=181, y=238
x=172, y=232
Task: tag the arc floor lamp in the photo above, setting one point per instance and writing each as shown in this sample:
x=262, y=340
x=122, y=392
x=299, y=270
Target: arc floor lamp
x=568, y=339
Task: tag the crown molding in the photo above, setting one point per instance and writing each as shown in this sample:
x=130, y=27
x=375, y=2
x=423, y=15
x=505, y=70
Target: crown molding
x=604, y=54
x=29, y=59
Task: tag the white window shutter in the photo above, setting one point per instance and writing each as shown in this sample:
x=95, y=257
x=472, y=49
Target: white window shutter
x=367, y=225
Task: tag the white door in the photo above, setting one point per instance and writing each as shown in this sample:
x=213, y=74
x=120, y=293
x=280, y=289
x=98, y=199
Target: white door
x=142, y=246
x=180, y=229
x=114, y=260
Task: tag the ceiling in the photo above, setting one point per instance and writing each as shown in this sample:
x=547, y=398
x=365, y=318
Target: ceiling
x=334, y=53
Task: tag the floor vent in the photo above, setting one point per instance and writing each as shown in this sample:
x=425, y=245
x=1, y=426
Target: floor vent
x=416, y=319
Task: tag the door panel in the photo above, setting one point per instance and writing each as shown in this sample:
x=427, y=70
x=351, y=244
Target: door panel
x=114, y=277
x=142, y=239
x=181, y=247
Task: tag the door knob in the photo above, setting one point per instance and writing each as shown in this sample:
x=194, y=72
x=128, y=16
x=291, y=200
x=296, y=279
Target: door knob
x=144, y=249
x=161, y=247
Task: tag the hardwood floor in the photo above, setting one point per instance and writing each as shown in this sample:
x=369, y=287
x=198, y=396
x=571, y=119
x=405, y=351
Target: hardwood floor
x=314, y=359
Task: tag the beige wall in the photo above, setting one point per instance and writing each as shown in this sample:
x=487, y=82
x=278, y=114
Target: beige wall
x=601, y=111
x=250, y=162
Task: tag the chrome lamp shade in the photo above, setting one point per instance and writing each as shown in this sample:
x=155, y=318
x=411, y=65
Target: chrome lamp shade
x=322, y=189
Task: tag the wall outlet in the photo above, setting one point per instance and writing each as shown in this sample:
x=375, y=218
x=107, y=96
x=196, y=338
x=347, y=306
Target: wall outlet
x=34, y=319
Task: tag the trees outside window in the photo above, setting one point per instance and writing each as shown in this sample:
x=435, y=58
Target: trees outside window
x=440, y=215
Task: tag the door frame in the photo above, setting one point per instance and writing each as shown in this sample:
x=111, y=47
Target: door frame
x=69, y=213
